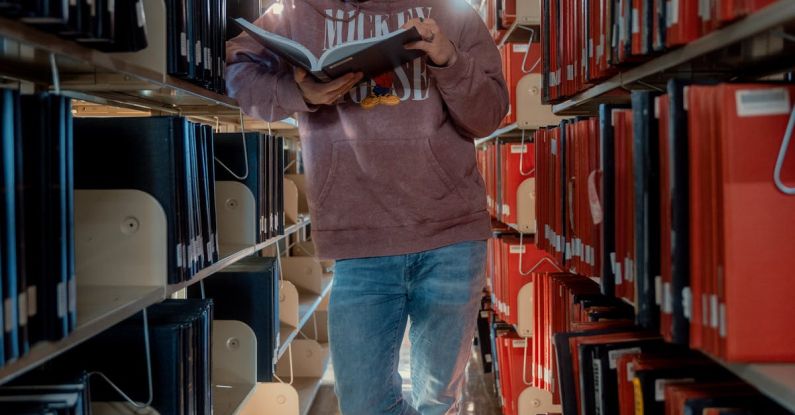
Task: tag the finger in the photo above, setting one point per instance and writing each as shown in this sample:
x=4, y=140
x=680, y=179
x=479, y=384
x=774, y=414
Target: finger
x=299, y=75
x=420, y=45
x=337, y=83
x=334, y=95
x=411, y=23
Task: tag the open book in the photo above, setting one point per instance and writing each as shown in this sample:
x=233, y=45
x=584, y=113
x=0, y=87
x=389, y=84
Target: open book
x=372, y=56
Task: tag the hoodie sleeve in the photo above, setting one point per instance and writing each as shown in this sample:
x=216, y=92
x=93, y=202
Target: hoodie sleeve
x=474, y=88
x=260, y=81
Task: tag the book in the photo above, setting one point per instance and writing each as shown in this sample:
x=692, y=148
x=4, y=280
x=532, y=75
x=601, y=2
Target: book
x=371, y=57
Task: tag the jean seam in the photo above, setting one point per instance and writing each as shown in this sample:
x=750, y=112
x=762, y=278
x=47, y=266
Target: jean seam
x=394, y=348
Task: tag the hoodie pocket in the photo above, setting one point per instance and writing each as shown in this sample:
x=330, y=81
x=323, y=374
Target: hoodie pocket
x=381, y=184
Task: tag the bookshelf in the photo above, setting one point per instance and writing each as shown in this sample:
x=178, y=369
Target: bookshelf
x=100, y=308
x=698, y=59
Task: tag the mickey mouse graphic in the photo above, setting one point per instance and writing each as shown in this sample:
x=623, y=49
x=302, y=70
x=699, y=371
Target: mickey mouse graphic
x=381, y=93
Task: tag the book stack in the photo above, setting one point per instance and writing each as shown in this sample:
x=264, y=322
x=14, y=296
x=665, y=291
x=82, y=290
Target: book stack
x=686, y=215
x=585, y=42
x=197, y=41
x=106, y=25
x=46, y=395
x=248, y=291
x=257, y=161
x=168, y=158
x=37, y=267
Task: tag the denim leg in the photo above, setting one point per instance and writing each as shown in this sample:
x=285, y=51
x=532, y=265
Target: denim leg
x=445, y=288
x=367, y=319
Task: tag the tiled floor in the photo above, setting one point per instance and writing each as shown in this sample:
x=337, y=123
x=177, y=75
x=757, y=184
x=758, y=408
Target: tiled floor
x=478, y=398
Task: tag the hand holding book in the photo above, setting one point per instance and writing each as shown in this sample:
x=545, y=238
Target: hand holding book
x=325, y=93
x=434, y=43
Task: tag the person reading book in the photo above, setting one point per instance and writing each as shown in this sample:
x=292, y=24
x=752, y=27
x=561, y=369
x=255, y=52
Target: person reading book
x=393, y=186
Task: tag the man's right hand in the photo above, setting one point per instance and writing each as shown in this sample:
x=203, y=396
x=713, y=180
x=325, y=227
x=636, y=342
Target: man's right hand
x=318, y=93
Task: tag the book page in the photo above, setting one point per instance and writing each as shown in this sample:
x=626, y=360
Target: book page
x=345, y=50
x=288, y=49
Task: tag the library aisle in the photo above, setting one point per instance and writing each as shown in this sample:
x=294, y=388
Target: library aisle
x=163, y=246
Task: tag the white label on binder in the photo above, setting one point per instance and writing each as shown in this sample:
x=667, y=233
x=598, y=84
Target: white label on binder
x=568, y=250
x=93, y=5
x=674, y=11
x=540, y=374
x=506, y=209
x=72, y=295
x=9, y=308
x=713, y=311
x=521, y=48
x=704, y=309
x=484, y=314
x=590, y=48
x=520, y=343
x=183, y=44
x=569, y=72
x=139, y=11
x=208, y=59
x=517, y=249
x=658, y=290
x=22, y=302
x=548, y=376
x=33, y=301
x=668, y=301
x=198, y=52
x=488, y=358
x=657, y=108
x=613, y=355
x=635, y=21
x=630, y=371
x=111, y=6
x=617, y=271
x=687, y=302
x=771, y=101
x=613, y=262
x=62, y=300
x=659, y=387
x=722, y=329
x=554, y=146
x=597, y=377
x=507, y=309
x=73, y=2
x=627, y=269
x=518, y=148
x=180, y=256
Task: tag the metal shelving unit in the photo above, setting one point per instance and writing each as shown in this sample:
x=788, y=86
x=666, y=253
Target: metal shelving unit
x=120, y=303
x=696, y=59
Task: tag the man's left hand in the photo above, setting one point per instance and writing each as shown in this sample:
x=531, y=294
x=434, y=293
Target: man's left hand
x=438, y=47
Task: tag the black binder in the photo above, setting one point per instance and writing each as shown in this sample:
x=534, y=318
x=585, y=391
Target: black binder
x=598, y=373
x=647, y=207
x=248, y=291
x=49, y=206
x=244, y=156
x=607, y=196
x=149, y=164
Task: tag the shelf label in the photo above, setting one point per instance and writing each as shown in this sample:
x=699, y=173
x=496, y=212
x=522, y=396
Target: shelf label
x=518, y=148
x=772, y=101
x=614, y=355
x=519, y=343
x=521, y=48
x=32, y=301
x=518, y=249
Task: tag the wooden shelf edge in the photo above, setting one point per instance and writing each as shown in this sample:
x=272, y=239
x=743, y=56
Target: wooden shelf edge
x=43, y=352
x=303, y=320
x=768, y=18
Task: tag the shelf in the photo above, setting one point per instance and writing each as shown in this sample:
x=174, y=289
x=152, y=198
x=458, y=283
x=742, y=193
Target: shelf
x=110, y=79
x=307, y=389
x=118, y=304
x=229, y=399
x=306, y=309
x=777, y=381
x=499, y=133
x=234, y=254
x=695, y=60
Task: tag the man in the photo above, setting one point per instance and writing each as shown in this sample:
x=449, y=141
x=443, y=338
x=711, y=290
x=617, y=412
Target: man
x=394, y=191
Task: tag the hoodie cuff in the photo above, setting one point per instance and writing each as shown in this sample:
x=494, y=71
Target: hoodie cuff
x=449, y=76
x=289, y=96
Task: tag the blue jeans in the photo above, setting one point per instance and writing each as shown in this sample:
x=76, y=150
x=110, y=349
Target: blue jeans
x=371, y=300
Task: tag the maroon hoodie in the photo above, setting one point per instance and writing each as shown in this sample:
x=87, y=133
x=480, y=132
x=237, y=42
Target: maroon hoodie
x=388, y=180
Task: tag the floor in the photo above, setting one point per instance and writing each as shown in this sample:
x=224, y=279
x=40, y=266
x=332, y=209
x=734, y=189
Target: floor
x=478, y=397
